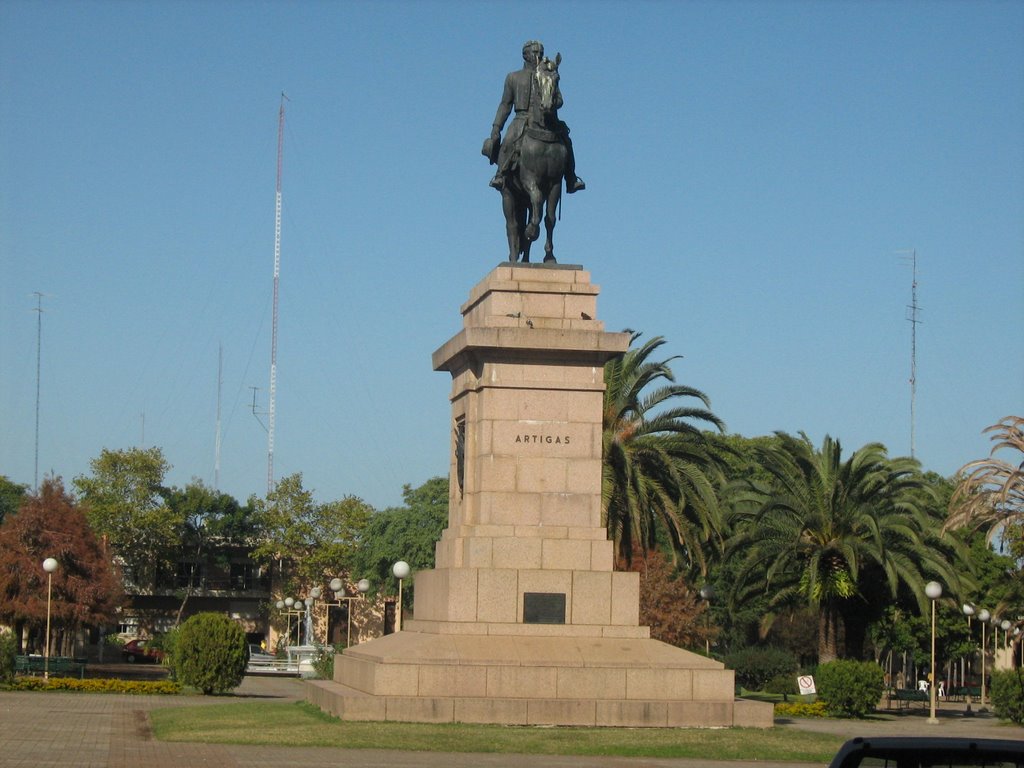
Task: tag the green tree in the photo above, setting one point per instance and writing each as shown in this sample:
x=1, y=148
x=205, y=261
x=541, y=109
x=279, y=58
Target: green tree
x=659, y=470
x=85, y=589
x=823, y=523
x=12, y=495
x=123, y=499
x=208, y=522
x=306, y=541
x=404, y=533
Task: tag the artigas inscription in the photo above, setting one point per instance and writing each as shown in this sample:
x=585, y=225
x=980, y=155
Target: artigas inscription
x=537, y=439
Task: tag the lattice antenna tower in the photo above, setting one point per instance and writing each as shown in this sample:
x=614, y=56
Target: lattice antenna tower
x=277, y=277
x=216, y=446
x=913, y=309
x=39, y=349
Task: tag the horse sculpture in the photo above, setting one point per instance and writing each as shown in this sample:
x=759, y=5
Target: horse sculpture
x=533, y=187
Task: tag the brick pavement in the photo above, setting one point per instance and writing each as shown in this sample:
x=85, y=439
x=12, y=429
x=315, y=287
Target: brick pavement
x=112, y=731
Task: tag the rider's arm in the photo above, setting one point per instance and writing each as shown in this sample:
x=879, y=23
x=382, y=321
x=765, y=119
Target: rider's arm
x=504, y=108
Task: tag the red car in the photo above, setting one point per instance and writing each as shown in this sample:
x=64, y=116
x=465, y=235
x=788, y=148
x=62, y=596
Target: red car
x=136, y=650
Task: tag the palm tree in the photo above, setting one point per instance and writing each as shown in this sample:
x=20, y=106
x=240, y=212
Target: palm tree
x=821, y=521
x=658, y=467
x=991, y=491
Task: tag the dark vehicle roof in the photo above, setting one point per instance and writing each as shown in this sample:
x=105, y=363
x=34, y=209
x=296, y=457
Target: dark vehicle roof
x=928, y=751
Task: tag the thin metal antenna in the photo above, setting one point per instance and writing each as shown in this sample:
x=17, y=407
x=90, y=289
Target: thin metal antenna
x=39, y=348
x=912, y=311
x=216, y=450
x=277, y=276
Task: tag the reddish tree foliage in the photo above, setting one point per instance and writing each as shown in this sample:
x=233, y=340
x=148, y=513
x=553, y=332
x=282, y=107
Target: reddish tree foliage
x=668, y=605
x=86, y=590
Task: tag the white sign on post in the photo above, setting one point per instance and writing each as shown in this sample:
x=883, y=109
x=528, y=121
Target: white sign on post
x=806, y=684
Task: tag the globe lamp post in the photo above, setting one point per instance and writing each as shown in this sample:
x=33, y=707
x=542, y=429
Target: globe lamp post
x=337, y=586
x=49, y=565
x=983, y=617
x=934, y=591
x=968, y=610
x=401, y=570
x=707, y=594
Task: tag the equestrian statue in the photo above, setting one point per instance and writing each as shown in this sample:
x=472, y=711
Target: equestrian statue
x=535, y=155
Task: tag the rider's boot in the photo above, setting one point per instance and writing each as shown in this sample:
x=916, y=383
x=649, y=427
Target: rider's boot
x=574, y=184
x=498, y=182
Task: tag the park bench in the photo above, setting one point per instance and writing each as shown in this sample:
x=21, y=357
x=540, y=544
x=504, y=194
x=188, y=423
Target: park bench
x=905, y=697
x=60, y=666
x=965, y=693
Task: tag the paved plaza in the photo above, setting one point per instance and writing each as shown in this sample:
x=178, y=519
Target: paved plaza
x=101, y=730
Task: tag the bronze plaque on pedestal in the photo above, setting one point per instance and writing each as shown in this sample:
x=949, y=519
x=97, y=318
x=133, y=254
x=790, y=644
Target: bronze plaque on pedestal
x=543, y=608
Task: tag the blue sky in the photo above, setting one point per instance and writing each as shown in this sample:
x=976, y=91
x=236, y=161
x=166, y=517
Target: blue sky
x=755, y=172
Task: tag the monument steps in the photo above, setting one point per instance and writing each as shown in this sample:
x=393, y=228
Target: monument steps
x=350, y=704
x=421, y=677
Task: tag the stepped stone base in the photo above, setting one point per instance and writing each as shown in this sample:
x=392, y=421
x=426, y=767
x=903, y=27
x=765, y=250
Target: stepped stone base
x=533, y=680
x=523, y=620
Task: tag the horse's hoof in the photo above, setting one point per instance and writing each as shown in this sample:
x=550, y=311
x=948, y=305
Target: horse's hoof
x=549, y=259
x=532, y=233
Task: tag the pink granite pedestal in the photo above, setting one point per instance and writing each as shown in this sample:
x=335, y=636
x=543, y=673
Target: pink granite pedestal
x=523, y=620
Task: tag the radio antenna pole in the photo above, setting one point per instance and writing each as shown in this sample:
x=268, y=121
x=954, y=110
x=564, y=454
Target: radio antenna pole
x=277, y=277
x=912, y=311
x=39, y=350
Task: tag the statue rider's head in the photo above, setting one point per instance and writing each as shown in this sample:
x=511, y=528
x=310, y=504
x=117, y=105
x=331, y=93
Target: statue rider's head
x=533, y=52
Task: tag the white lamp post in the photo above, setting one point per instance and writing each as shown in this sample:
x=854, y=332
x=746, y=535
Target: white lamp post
x=983, y=617
x=1005, y=625
x=968, y=610
x=298, y=607
x=707, y=594
x=49, y=565
x=401, y=570
x=337, y=586
x=934, y=591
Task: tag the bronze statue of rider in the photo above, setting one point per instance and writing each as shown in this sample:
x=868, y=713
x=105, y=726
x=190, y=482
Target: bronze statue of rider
x=516, y=95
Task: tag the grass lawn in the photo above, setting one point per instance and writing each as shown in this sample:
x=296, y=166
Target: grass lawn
x=301, y=724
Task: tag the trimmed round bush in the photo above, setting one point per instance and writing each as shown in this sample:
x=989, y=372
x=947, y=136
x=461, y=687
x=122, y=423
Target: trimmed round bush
x=850, y=688
x=756, y=666
x=210, y=653
x=784, y=684
x=1008, y=695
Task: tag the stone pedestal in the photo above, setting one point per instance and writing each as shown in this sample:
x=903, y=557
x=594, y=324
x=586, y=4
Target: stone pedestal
x=523, y=620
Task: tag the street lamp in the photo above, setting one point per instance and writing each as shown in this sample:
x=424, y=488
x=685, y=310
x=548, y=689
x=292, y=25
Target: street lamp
x=289, y=607
x=299, y=607
x=983, y=617
x=337, y=586
x=968, y=610
x=49, y=565
x=707, y=594
x=1005, y=625
x=401, y=570
x=934, y=591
